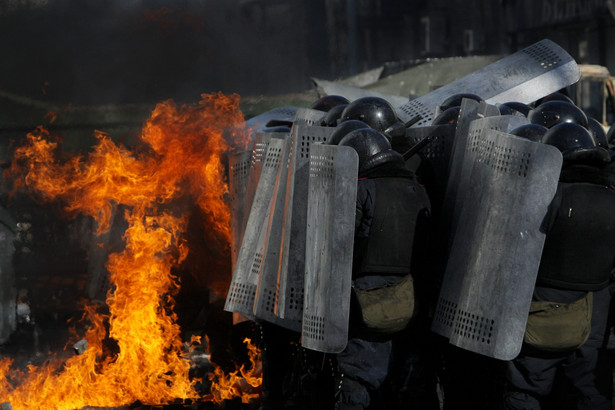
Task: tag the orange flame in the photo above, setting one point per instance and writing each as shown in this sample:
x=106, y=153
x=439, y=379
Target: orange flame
x=244, y=383
x=181, y=161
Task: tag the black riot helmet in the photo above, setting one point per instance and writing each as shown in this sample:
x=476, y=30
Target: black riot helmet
x=514, y=108
x=556, y=112
x=532, y=132
x=328, y=101
x=343, y=129
x=596, y=130
x=575, y=143
x=556, y=96
x=449, y=116
x=373, y=147
x=455, y=100
x=331, y=117
x=376, y=112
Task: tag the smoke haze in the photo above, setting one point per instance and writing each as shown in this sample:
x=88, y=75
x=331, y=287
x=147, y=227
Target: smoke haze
x=134, y=51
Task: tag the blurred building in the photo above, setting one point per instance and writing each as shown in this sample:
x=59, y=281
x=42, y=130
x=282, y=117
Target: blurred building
x=143, y=51
x=367, y=33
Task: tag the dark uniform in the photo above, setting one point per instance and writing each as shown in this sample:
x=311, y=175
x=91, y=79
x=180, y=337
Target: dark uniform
x=391, y=221
x=578, y=256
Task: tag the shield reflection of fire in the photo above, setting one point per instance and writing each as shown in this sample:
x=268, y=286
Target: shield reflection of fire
x=180, y=161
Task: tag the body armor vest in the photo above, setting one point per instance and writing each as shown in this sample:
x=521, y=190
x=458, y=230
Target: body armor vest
x=399, y=205
x=579, y=250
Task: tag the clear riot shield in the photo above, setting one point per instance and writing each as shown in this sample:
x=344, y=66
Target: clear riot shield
x=265, y=306
x=241, y=203
x=308, y=116
x=329, y=247
x=490, y=275
x=524, y=76
x=242, y=291
x=292, y=264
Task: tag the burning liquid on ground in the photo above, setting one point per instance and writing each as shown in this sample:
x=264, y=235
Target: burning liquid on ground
x=180, y=161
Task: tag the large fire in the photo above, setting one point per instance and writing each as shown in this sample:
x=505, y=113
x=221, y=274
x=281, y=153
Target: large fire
x=180, y=161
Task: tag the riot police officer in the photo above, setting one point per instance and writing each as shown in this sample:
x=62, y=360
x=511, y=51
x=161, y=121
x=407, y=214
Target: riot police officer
x=392, y=216
x=568, y=316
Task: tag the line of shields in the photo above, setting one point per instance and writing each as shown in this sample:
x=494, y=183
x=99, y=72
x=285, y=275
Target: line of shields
x=292, y=204
x=293, y=207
